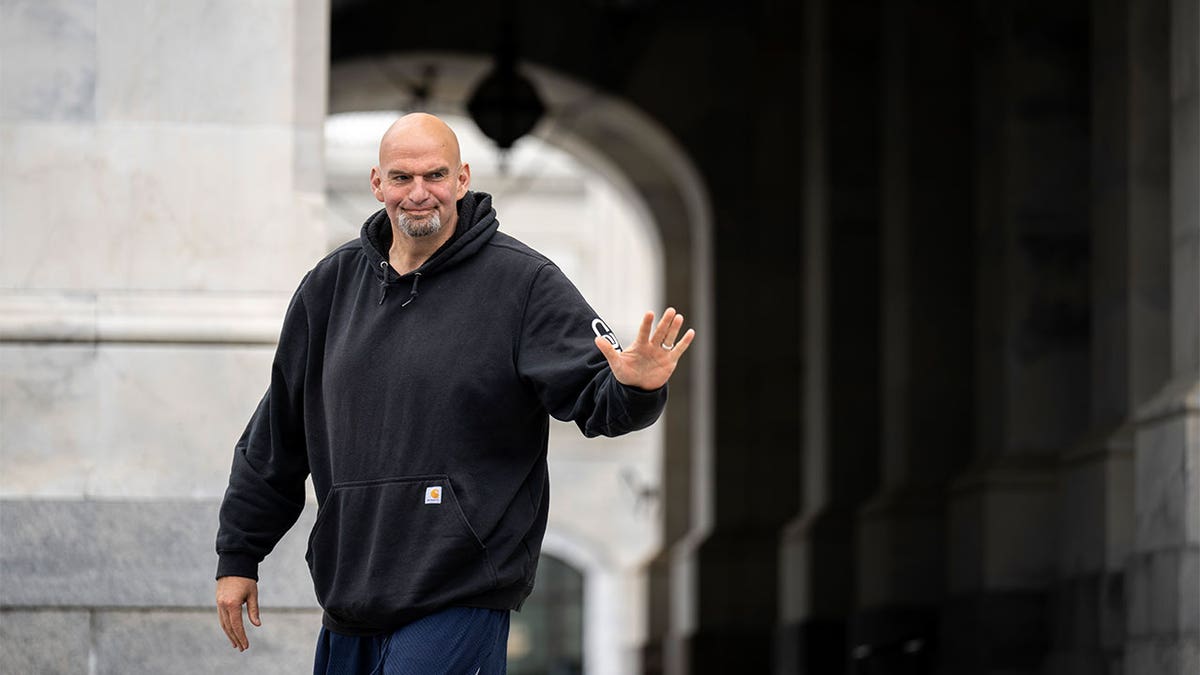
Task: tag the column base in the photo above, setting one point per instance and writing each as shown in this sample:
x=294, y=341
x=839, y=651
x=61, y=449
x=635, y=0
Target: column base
x=651, y=658
x=1163, y=572
x=730, y=623
x=658, y=609
x=725, y=650
x=901, y=553
x=1088, y=614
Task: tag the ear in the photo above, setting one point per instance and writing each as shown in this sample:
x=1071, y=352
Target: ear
x=464, y=181
x=377, y=183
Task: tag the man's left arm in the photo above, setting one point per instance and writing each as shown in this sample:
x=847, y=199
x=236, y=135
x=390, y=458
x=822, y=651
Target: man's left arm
x=606, y=390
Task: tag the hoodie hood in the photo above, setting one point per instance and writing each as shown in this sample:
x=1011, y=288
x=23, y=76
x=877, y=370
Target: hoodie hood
x=476, y=225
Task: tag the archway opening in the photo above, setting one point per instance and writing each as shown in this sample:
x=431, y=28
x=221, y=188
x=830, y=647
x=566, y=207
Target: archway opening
x=546, y=636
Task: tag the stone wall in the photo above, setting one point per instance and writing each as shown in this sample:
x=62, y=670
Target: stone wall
x=160, y=196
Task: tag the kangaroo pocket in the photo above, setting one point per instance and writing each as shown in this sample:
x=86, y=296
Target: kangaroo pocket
x=384, y=552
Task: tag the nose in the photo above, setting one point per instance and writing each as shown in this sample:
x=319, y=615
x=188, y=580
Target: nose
x=417, y=192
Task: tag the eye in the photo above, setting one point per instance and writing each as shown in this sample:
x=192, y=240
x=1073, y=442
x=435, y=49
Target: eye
x=401, y=178
x=437, y=175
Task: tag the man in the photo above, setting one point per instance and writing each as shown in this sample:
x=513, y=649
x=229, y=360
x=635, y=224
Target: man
x=413, y=378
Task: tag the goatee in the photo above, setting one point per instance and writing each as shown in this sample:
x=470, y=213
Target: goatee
x=420, y=227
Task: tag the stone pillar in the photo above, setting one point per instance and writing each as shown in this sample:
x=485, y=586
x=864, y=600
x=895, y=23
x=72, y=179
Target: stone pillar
x=839, y=268
x=1164, y=570
x=1032, y=358
x=724, y=586
x=925, y=338
x=161, y=178
x=1129, y=290
x=808, y=617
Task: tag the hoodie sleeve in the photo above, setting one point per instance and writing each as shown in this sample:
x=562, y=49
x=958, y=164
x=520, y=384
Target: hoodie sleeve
x=558, y=356
x=270, y=462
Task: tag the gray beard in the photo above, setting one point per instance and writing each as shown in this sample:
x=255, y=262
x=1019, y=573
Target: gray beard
x=420, y=227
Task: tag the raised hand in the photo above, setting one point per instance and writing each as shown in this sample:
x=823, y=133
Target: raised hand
x=650, y=360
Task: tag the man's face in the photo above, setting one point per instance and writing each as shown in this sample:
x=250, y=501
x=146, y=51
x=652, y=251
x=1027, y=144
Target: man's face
x=419, y=180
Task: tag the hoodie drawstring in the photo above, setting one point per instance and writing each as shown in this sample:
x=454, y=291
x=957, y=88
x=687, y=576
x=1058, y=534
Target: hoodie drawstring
x=413, y=295
x=383, y=285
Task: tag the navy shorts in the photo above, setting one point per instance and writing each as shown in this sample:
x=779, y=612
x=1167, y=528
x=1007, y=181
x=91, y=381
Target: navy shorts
x=454, y=641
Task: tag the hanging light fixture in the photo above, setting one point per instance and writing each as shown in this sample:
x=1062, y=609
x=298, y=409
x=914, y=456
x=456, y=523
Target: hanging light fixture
x=505, y=105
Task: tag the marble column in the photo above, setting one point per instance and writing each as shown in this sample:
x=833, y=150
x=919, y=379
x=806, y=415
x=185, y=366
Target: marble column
x=1163, y=572
x=1031, y=328
x=809, y=617
x=840, y=293
x=925, y=337
x=1129, y=293
x=161, y=191
x=724, y=590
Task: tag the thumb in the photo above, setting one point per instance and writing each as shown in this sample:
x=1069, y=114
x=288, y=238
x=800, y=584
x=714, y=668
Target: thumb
x=252, y=608
x=606, y=348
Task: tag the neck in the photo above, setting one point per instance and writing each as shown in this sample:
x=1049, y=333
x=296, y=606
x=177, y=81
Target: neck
x=408, y=253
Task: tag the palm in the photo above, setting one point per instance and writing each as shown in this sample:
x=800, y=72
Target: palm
x=648, y=362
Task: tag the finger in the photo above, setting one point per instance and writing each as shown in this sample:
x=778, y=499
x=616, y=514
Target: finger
x=643, y=334
x=673, y=331
x=607, y=349
x=239, y=630
x=683, y=344
x=252, y=608
x=660, y=332
x=225, y=626
x=226, y=617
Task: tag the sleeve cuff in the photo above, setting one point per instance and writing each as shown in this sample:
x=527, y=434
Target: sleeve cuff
x=637, y=393
x=237, y=565
x=643, y=407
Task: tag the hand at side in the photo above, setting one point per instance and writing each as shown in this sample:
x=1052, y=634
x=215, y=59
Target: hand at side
x=232, y=593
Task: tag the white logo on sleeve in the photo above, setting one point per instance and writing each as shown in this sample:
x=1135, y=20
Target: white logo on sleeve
x=433, y=495
x=601, y=329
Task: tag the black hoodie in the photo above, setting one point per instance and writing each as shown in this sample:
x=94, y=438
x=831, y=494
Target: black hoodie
x=419, y=405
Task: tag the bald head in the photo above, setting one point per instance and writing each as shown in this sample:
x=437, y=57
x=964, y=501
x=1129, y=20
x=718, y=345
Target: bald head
x=420, y=178
x=420, y=132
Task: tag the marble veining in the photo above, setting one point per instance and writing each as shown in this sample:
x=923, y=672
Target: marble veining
x=47, y=60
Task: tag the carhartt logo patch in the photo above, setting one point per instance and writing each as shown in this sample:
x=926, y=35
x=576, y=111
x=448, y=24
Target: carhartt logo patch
x=601, y=329
x=433, y=495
